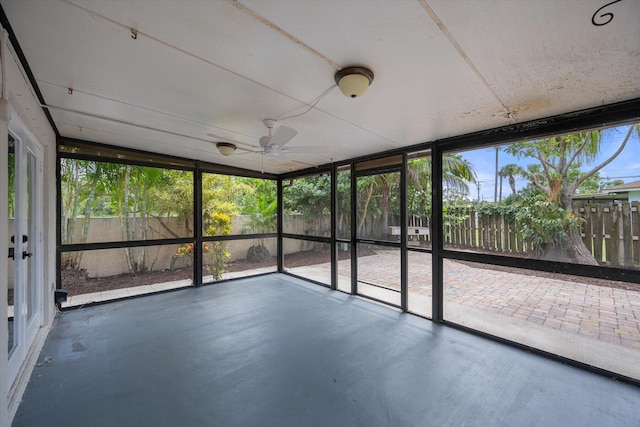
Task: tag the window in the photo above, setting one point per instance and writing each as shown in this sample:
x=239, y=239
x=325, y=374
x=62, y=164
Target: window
x=108, y=202
x=554, y=198
x=307, y=205
x=569, y=198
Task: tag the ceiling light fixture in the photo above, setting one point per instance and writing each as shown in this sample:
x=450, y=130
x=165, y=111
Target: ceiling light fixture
x=354, y=81
x=226, y=148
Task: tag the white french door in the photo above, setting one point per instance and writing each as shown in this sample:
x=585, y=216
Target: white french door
x=24, y=271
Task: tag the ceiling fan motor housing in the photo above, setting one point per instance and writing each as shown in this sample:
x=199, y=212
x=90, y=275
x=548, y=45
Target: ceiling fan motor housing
x=264, y=140
x=270, y=123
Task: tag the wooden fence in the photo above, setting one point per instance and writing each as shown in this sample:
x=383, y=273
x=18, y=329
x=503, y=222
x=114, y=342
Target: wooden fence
x=610, y=231
x=487, y=232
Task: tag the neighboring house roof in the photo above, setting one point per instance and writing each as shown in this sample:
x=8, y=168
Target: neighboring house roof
x=629, y=186
x=600, y=196
x=617, y=192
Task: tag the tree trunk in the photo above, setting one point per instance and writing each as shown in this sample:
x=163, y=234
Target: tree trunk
x=384, y=223
x=512, y=184
x=125, y=215
x=142, y=264
x=363, y=216
x=74, y=205
x=573, y=251
x=89, y=208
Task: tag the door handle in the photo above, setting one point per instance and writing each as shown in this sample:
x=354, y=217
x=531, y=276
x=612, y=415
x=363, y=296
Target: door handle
x=26, y=254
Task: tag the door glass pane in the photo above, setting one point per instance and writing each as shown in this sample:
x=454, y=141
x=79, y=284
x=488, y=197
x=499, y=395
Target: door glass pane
x=344, y=267
x=419, y=233
x=379, y=207
x=308, y=259
x=29, y=276
x=343, y=208
x=379, y=272
x=419, y=199
x=11, y=229
x=420, y=290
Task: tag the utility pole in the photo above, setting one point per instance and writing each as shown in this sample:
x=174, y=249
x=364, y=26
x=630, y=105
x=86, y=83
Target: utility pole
x=478, y=183
x=495, y=182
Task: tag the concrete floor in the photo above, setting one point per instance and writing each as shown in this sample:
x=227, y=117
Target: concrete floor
x=275, y=350
x=595, y=325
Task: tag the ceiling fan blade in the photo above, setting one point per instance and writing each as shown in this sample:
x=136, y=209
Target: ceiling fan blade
x=282, y=135
x=242, y=151
x=306, y=150
x=282, y=157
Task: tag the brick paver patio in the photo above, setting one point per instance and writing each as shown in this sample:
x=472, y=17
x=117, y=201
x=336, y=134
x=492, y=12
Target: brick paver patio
x=597, y=312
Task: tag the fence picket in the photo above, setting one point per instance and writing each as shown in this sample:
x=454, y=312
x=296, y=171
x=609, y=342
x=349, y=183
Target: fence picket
x=454, y=234
x=494, y=231
x=635, y=232
x=613, y=243
x=512, y=236
x=625, y=242
x=585, y=227
x=598, y=232
x=487, y=232
x=473, y=218
x=499, y=228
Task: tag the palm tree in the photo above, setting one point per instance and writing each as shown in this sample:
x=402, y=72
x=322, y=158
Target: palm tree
x=534, y=173
x=457, y=172
x=559, y=154
x=510, y=171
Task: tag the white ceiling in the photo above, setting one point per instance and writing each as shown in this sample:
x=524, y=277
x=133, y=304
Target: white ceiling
x=202, y=68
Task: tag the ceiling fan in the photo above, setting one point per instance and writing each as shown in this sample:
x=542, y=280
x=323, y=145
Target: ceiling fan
x=272, y=145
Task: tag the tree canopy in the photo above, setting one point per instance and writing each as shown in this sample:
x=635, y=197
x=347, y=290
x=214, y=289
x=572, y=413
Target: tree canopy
x=561, y=158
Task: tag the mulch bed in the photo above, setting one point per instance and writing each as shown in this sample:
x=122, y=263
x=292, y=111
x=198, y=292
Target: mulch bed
x=77, y=283
x=546, y=275
x=558, y=276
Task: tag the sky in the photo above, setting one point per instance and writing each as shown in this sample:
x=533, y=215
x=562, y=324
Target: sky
x=626, y=165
